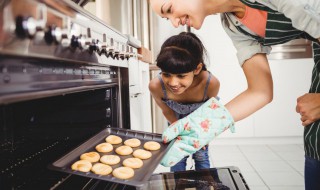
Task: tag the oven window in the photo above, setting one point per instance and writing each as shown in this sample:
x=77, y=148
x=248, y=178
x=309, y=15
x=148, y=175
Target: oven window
x=35, y=133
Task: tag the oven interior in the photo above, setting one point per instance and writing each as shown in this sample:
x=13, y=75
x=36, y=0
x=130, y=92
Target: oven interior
x=37, y=132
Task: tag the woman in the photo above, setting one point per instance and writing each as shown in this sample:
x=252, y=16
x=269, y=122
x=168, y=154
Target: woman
x=254, y=26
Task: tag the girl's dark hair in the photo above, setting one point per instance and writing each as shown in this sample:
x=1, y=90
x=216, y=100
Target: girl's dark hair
x=181, y=54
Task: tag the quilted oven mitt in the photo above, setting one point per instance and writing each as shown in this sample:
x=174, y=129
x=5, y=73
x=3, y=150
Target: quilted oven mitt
x=196, y=130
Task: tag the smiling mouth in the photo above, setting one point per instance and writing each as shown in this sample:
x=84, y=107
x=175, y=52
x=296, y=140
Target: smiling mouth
x=185, y=21
x=174, y=89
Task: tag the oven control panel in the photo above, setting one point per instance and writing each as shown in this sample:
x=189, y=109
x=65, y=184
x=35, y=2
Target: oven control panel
x=60, y=29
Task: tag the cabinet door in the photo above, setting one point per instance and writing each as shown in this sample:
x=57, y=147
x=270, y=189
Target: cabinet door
x=134, y=76
x=291, y=79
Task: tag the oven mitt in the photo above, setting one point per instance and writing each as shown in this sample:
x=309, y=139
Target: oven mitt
x=196, y=130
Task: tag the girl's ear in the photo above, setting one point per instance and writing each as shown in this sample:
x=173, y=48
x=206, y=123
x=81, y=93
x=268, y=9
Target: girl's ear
x=198, y=69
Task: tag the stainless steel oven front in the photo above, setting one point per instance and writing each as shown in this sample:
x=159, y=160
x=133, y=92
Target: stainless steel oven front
x=63, y=78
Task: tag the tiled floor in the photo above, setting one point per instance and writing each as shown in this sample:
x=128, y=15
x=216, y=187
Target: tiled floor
x=264, y=167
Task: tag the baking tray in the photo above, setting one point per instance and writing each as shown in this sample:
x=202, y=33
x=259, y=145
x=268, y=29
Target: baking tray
x=141, y=175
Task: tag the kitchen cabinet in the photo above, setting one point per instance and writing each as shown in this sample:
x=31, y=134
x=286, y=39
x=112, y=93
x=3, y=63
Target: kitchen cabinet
x=140, y=102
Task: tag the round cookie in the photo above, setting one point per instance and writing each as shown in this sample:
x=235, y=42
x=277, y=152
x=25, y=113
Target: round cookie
x=142, y=154
x=123, y=173
x=133, y=163
x=124, y=150
x=90, y=156
x=151, y=145
x=132, y=142
x=110, y=159
x=101, y=169
x=82, y=166
x=104, y=147
x=113, y=139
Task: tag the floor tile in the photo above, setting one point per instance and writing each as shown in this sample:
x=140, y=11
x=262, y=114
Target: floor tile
x=297, y=165
x=254, y=148
x=286, y=188
x=224, y=148
x=262, y=156
x=285, y=148
x=291, y=156
x=282, y=178
x=271, y=166
x=252, y=179
x=227, y=156
x=259, y=188
x=242, y=165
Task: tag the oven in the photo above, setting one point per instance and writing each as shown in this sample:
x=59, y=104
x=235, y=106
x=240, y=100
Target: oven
x=63, y=80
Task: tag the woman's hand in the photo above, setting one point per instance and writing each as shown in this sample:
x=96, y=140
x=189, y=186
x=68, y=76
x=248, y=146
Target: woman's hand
x=308, y=106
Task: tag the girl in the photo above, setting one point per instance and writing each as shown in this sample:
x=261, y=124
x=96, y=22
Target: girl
x=183, y=85
x=254, y=26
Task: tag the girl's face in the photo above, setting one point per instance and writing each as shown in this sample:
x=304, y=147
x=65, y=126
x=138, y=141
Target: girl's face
x=181, y=12
x=177, y=83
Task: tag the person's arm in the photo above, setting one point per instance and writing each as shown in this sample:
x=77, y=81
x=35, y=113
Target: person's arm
x=213, y=88
x=308, y=106
x=259, y=91
x=156, y=92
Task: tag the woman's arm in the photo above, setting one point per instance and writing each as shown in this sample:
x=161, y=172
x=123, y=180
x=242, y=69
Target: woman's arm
x=156, y=92
x=259, y=91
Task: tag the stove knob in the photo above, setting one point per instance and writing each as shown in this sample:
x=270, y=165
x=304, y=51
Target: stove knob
x=104, y=45
x=116, y=51
x=74, y=41
x=83, y=42
x=131, y=52
x=110, y=49
x=65, y=42
x=53, y=35
x=95, y=46
x=25, y=27
x=127, y=53
x=122, y=52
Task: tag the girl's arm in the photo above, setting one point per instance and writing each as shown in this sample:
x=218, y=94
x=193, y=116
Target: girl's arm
x=156, y=92
x=213, y=88
x=259, y=91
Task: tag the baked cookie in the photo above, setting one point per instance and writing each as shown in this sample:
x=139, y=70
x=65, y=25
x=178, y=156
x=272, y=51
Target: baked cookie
x=90, y=156
x=110, y=159
x=133, y=163
x=151, y=145
x=123, y=173
x=82, y=166
x=142, y=154
x=113, y=139
x=134, y=142
x=104, y=147
x=124, y=150
x=101, y=169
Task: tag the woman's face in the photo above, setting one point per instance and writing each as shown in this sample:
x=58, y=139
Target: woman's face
x=181, y=12
x=177, y=83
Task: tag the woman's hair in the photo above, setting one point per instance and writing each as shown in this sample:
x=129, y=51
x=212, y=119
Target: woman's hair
x=181, y=53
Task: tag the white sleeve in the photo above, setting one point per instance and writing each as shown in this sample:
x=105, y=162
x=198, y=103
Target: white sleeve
x=304, y=14
x=246, y=46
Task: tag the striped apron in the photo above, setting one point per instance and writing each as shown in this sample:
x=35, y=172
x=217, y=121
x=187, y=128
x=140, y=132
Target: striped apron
x=279, y=30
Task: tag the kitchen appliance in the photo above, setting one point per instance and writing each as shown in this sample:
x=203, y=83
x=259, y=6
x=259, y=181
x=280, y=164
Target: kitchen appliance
x=64, y=79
